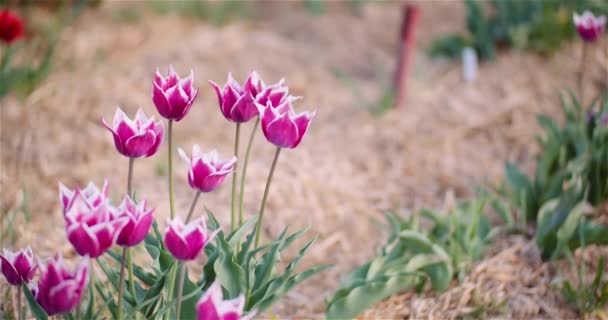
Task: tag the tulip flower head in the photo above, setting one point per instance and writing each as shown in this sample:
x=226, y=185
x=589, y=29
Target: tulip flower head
x=237, y=103
x=589, y=26
x=172, y=95
x=92, y=230
x=11, y=26
x=282, y=126
x=91, y=195
x=212, y=306
x=18, y=267
x=136, y=138
x=185, y=242
x=138, y=221
x=206, y=171
x=274, y=94
x=59, y=289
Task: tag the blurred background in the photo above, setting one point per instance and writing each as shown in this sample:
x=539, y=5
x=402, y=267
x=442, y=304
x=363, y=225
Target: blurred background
x=399, y=124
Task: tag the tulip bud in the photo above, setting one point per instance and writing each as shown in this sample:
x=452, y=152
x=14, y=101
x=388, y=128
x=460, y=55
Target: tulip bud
x=206, y=172
x=136, y=138
x=236, y=103
x=281, y=126
x=185, y=242
x=59, y=289
x=589, y=26
x=92, y=230
x=138, y=221
x=11, y=26
x=18, y=267
x=212, y=306
x=172, y=95
x=91, y=195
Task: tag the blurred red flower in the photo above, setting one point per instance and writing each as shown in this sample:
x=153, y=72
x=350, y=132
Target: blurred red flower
x=11, y=26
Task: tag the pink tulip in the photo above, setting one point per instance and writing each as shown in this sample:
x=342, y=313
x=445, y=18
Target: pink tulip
x=237, y=103
x=589, y=26
x=281, y=126
x=59, y=289
x=136, y=138
x=138, y=222
x=185, y=242
x=274, y=94
x=91, y=195
x=206, y=172
x=212, y=306
x=92, y=230
x=172, y=95
x=18, y=267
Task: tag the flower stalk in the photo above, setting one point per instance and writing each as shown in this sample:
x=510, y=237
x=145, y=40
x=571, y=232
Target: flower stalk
x=268, y=181
x=170, y=144
x=125, y=251
x=582, y=70
x=234, y=178
x=19, y=310
x=192, y=206
x=180, y=289
x=244, y=169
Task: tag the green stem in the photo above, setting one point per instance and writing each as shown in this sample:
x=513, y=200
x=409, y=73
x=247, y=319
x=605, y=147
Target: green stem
x=180, y=289
x=170, y=143
x=19, y=311
x=261, y=215
x=130, y=177
x=244, y=173
x=131, y=278
x=193, y=205
x=121, y=282
x=172, y=277
x=581, y=73
x=234, y=178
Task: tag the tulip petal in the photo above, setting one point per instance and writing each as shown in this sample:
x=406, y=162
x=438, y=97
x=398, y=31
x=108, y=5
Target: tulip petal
x=9, y=271
x=139, y=145
x=161, y=102
x=302, y=121
x=282, y=132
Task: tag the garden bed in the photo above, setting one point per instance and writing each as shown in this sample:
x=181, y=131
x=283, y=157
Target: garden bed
x=448, y=136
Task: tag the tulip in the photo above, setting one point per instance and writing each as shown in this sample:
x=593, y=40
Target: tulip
x=172, y=95
x=206, y=172
x=18, y=267
x=92, y=230
x=185, y=242
x=237, y=103
x=136, y=138
x=59, y=289
x=589, y=26
x=281, y=126
x=274, y=94
x=91, y=195
x=11, y=26
x=138, y=221
x=212, y=306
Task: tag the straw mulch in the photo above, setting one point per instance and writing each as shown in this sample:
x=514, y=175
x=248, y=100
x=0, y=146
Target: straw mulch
x=349, y=168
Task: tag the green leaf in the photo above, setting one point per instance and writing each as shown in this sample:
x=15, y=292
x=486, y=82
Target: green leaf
x=35, y=308
x=88, y=313
x=230, y=274
x=235, y=237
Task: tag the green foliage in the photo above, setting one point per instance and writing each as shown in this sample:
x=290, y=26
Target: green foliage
x=586, y=297
x=216, y=12
x=571, y=170
x=539, y=26
x=411, y=257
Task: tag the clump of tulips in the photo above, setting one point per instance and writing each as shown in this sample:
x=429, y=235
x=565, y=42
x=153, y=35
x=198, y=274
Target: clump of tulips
x=238, y=278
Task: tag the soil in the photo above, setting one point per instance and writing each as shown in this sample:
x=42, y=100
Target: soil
x=448, y=136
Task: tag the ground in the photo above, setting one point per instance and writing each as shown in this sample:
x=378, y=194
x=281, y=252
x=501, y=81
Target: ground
x=448, y=135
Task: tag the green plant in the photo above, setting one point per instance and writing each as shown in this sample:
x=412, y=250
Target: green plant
x=411, y=257
x=539, y=26
x=586, y=297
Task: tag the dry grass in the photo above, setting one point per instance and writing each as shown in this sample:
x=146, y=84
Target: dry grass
x=350, y=167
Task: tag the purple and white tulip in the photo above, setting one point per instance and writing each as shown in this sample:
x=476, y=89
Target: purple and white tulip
x=186, y=242
x=59, y=289
x=140, y=137
x=138, y=221
x=205, y=170
x=282, y=126
x=92, y=230
x=212, y=306
x=172, y=95
x=237, y=103
x=18, y=267
x=589, y=27
x=91, y=195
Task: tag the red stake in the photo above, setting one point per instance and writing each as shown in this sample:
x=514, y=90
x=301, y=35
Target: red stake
x=406, y=47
